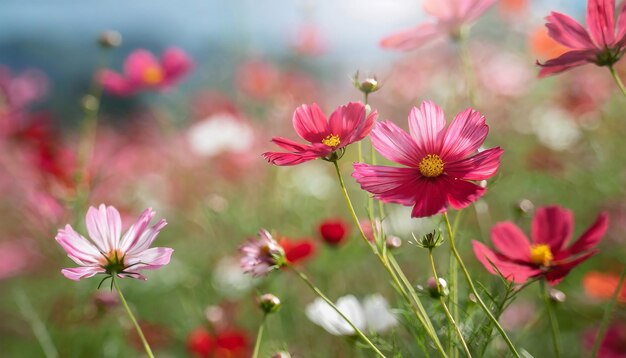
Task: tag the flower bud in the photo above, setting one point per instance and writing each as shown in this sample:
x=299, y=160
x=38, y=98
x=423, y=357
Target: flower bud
x=525, y=207
x=333, y=231
x=367, y=86
x=393, y=242
x=281, y=354
x=556, y=296
x=110, y=39
x=430, y=240
x=437, y=290
x=269, y=303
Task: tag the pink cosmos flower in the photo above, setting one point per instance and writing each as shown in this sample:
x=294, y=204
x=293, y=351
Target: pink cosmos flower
x=517, y=259
x=600, y=44
x=346, y=125
x=143, y=71
x=109, y=252
x=440, y=162
x=451, y=16
x=262, y=255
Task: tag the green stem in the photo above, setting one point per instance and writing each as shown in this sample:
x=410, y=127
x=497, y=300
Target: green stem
x=454, y=279
x=467, y=65
x=470, y=283
x=554, y=324
x=445, y=307
x=617, y=80
x=402, y=289
x=327, y=300
x=606, y=319
x=39, y=328
x=259, y=337
x=146, y=346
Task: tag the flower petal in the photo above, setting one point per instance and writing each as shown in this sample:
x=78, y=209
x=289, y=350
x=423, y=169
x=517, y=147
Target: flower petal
x=310, y=123
x=621, y=24
x=566, y=61
x=426, y=125
x=413, y=38
x=76, y=273
x=567, y=31
x=388, y=184
x=299, y=156
x=175, y=63
x=145, y=239
x=510, y=270
x=475, y=9
x=430, y=198
x=136, y=230
x=136, y=64
x=149, y=259
x=350, y=123
x=510, y=241
x=115, y=84
x=591, y=237
x=395, y=144
x=78, y=248
x=552, y=225
x=460, y=193
x=478, y=167
x=601, y=22
x=559, y=272
x=464, y=136
x=104, y=226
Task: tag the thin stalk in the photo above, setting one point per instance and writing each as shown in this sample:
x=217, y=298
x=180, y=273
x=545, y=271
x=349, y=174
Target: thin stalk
x=445, y=307
x=606, y=319
x=327, y=300
x=470, y=283
x=418, y=309
x=617, y=80
x=39, y=328
x=467, y=65
x=145, y=343
x=554, y=324
x=259, y=337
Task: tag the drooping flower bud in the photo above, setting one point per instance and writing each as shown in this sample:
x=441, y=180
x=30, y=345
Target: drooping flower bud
x=269, y=303
x=367, y=86
x=437, y=290
x=110, y=39
x=393, y=242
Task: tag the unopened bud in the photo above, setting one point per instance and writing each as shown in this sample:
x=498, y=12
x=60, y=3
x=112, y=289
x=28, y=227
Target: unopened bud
x=430, y=240
x=281, y=354
x=393, y=242
x=269, y=303
x=525, y=207
x=437, y=290
x=109, y=39
x=556, y=296
x=215, y=315
x=367, y=86
x=90, y=103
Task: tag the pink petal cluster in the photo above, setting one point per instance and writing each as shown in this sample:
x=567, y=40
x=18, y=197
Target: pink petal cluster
x=347, y=124
x=142, y=71
x=262, y=255
x=548, y=254
x=109, y=252
x=603, y=43
x=450, y=16
x=440, y=162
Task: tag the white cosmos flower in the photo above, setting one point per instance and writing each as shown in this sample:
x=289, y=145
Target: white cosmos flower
x=220, y=133
x=374, y=315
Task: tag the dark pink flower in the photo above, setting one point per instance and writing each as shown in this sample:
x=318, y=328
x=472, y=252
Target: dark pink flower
x=262, y=255
x=440, y=162
x=450, y=16
x=346, y=125
x=518, y=259
x=600, y=44
x=109, y=252
x=143, y=71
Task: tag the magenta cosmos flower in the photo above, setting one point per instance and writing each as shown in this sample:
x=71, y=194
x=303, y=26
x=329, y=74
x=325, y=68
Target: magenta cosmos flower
x=519, y=259
x=451, y=16
x=109, y=252
x=440, y=162
x=346, y=125
x=601, y=44
x=143, y=71
x=262, y=255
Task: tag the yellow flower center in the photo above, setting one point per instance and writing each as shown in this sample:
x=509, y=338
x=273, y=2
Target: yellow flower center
x=331, y=140
x=431, y=166
x=540, y=254
x=152, y=75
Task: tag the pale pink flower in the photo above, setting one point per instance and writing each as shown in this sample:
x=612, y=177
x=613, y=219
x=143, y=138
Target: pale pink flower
x=603, y=43
x=262, y=255
x=143, y=71
x=347, y=124
x=450, y=16
x=441, y=162
x=109, y=252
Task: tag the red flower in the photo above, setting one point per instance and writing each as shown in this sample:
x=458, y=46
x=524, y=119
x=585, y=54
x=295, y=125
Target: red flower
x=346, y=125
x=297, y=250
x=600, y=44
x=333, y=231
x=226, y=344
x=518, y=260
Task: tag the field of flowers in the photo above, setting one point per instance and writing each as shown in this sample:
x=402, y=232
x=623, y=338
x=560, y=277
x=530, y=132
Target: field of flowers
x=456, y=188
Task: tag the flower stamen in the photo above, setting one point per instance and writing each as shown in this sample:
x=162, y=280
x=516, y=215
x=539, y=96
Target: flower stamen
x=431, y=166
x=331, y=140
x=540, y=254
x=152, y=75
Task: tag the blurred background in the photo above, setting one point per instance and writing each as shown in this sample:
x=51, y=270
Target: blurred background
x=192, y=151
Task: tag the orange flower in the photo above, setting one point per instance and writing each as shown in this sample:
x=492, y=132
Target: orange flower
x=600, y=285
x=543, y=46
